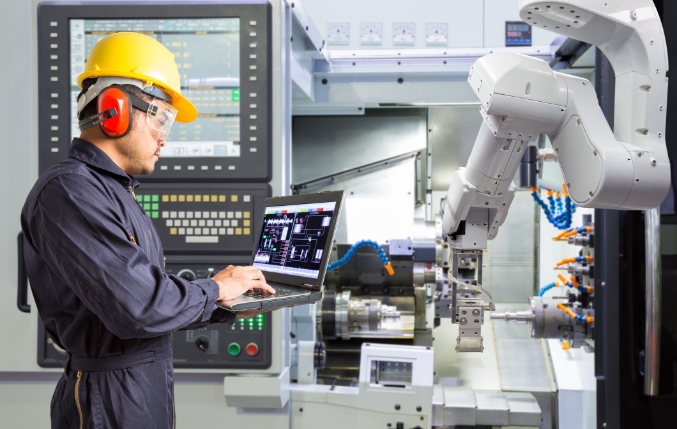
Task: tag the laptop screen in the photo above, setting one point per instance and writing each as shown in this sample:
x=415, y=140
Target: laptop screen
x=293, y=238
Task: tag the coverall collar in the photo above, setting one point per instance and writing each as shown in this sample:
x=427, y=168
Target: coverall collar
x=88, y=153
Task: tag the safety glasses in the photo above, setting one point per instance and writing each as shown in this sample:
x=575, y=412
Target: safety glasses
x=160, y=117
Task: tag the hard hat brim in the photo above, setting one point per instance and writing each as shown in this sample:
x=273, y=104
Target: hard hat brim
x=186, y=111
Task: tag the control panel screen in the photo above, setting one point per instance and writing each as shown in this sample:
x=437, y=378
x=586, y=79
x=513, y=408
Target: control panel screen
x=517, y=33
x=293, y=238
x=207, y=54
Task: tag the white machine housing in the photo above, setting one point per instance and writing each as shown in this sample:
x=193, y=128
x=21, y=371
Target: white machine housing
x=522, y=97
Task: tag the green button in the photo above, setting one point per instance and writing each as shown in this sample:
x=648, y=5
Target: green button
x=155, y=206
x=139, y=198
x=146, y=198
x=154, y=215
x=155, y=198
x=146, y=206
x=235, y=94
x=234, y=349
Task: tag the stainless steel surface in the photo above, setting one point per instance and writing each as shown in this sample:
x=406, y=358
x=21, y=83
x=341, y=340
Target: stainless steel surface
x=453, y=133
x=522, y=362
x=652, y=233
x=331, y=144
x=333, y=176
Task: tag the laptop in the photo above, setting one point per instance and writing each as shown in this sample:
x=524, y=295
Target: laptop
x=293, y=250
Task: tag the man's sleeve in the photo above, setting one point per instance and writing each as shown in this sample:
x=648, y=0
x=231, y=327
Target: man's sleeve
x=78, y=230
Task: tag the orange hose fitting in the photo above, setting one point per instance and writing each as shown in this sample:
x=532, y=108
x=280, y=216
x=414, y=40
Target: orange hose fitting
x=550, y=192
x=590, y=289
x=564, y=187
x=561, y=277
x=533, y=189
x=390, y=270
x=565, y=261
x=558, y=195
x=573, y=281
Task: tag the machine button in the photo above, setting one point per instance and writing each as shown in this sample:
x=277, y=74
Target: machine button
x=187, y=275
x=202, y=343
x=252, y=349
x=234, y=349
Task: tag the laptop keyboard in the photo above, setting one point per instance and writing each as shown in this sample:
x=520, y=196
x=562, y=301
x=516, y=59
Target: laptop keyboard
x=279, y=292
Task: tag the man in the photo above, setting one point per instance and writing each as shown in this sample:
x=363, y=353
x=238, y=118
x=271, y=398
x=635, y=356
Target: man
x=94, y=259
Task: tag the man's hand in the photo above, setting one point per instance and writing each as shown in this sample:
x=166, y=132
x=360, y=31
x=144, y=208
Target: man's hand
x=234, y=281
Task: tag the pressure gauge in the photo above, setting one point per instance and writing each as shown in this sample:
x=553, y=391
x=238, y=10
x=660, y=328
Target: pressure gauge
x=404, y=33
x=436, y=33
x=338, y=33
x=371, y=33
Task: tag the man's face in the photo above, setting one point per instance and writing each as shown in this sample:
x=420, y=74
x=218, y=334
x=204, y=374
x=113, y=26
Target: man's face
x=141, y=147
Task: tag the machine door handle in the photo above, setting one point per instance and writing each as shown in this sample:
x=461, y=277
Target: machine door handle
x=22, y=284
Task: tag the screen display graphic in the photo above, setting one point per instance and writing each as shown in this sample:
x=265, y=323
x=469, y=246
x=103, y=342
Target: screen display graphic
x=207, y=54
x=293, y=238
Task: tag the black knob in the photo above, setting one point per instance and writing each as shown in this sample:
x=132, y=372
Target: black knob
x=187, y=275
x=202, y=343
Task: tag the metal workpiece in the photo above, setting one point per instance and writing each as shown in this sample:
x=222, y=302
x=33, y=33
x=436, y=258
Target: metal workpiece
x=652, y=233
x=463, y=406
x=520, y=317
x=366, y=317
x=548, y=320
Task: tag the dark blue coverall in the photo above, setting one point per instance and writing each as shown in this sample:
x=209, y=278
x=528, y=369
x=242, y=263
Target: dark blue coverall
x=96, y=270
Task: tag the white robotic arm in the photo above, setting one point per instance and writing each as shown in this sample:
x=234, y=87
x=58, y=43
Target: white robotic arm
x=522, y=97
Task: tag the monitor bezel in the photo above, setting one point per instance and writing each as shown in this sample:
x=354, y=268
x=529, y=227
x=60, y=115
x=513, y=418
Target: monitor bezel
x=54, y=134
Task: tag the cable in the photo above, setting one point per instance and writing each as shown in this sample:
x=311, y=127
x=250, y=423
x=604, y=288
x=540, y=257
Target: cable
x=381, y=253
x=478, y=288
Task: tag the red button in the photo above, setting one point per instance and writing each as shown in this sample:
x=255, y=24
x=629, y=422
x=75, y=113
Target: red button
x=252, y=349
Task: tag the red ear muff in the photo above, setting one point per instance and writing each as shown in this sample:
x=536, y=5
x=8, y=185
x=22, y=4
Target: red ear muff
x=120, y=124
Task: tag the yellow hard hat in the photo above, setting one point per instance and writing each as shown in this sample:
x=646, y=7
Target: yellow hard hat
x=136, y=56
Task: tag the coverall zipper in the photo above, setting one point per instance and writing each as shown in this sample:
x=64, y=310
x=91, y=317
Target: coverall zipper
x=77, y=399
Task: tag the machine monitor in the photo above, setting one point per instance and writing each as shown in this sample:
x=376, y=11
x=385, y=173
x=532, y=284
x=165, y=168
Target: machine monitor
x=222, y=51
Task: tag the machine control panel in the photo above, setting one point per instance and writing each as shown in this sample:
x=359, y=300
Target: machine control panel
x=223, y=54
x=245, y=344
x=206, y=218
